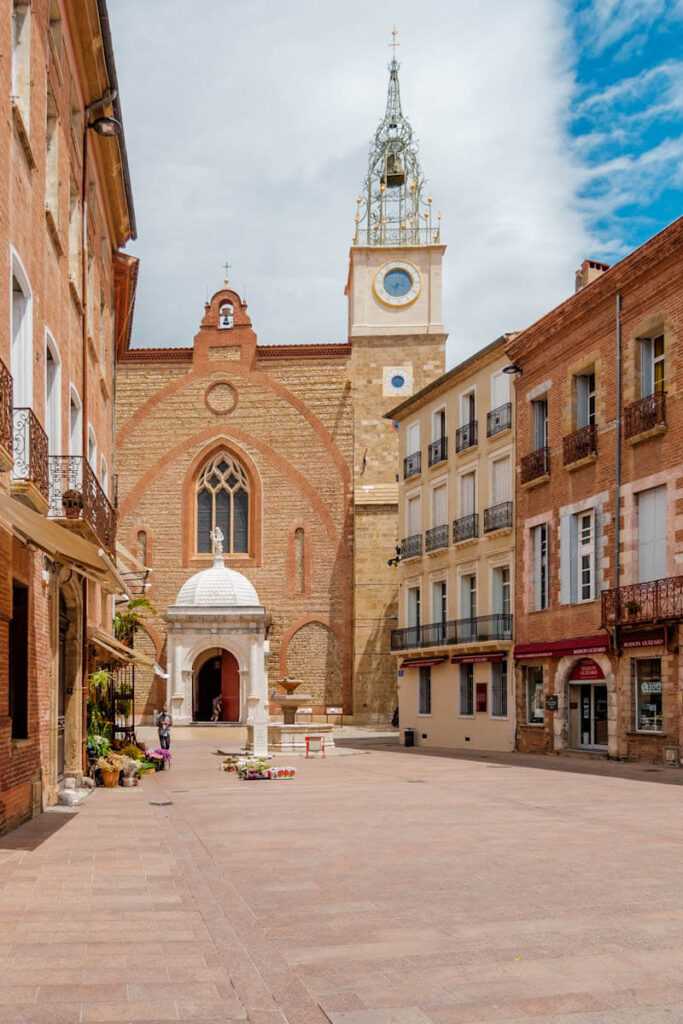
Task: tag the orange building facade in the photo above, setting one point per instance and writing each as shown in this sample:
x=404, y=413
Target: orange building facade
x=599, y=524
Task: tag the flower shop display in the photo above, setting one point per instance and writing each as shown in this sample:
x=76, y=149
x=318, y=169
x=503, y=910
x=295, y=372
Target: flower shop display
x=130, y=771
x=257, y=768
x=160, y=758
x=110, y=767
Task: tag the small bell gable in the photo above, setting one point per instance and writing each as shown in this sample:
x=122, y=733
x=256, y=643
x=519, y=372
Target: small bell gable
x=225, y=331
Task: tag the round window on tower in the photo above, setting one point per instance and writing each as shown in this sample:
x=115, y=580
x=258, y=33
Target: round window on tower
x=398, y=380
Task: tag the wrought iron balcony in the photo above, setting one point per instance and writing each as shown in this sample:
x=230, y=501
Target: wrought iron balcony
x=411, y=547
x=499, y=419
x=76, y=496
x=412, y=465
x=535, y=465
x=466, y=436
x=436, y=538
x=646, y=414
x=498, y=517
x=465, y=528
x=581, y=444
x=5, y=417
x=478, y=629
x=29, y=449
x=438, y=451
x=656, y=601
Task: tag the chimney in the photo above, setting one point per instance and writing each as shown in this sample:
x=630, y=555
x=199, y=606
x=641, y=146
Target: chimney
x=587, y=272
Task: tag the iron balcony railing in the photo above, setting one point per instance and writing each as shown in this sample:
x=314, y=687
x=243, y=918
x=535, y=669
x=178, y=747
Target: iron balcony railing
x=466, y=436
x=498, y=517
x=465, y=528
x=75, y=493
x=645, y=414
x=436, y=538
x=411, y=547
x=5, y=413
x=412, y=465
x=656, y=601
x=580, y=444
x=499, y=419
x=535, y=465
x=29, y=449
x=479, y=629
x=438, y=451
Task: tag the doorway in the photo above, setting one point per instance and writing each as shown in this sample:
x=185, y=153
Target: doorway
x=588, y=716
x=61, y=689
x=218, y=676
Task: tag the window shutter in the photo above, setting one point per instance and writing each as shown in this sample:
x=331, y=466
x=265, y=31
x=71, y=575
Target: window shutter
x=567, y=567
x=582, y=401
x=536, y=554
x=413, y=439
x=647, y=385
x=597, y=526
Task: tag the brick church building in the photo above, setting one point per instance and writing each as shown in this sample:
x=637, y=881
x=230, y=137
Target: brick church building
x=286, y=448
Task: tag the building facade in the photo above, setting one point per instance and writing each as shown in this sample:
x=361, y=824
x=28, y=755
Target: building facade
x=286, y=448
x=599, y=593
x=455, y=561
x=66, y=210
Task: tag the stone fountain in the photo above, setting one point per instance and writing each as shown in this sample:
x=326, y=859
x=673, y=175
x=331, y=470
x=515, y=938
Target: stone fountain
x=289, y=736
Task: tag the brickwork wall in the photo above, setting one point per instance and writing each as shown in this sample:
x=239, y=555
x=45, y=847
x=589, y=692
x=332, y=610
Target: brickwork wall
x=314, y=655
x=578, y=335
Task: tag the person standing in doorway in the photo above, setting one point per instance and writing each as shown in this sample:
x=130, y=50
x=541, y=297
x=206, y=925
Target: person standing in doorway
x=164, y=723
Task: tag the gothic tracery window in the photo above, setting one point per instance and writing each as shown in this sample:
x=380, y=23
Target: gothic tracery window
x=222, y=498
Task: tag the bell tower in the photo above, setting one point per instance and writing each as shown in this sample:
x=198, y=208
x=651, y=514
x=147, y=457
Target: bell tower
x=397, y=340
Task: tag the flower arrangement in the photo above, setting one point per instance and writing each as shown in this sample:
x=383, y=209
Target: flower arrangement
x=160, y=758
x=98, y=746
x=258, y=768
x=110, y=762
x=133, y=752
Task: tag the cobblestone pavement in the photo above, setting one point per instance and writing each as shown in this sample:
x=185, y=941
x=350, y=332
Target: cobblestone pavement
x=385, y=887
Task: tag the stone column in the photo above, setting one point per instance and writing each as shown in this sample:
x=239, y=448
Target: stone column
x=257, y=701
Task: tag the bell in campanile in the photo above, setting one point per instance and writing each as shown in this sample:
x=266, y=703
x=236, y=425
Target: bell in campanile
x=394, y=175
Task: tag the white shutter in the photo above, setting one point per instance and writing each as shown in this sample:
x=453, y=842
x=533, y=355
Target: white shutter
x=413, y=439
x=647, y=380
x=467, y=494
x=414, y=606
x=500, y=481
x=497, y=592
x=652, y=534
x=413, y=517
x=439, y=506
x=500, y=389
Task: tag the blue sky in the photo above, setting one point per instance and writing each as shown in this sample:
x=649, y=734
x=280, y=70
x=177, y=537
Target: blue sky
x=550, y=132
x=627, y=119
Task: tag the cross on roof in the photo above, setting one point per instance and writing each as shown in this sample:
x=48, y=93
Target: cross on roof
x=226, y=267
x=393, y=44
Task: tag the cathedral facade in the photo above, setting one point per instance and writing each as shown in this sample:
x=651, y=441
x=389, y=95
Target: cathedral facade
x=286, y=450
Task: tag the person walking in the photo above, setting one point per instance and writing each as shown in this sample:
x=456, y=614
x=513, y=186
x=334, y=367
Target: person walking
x=164, y=723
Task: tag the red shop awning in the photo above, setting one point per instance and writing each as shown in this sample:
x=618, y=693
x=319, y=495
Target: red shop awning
x=474, y=659
x=559, y=648
x=421, y=662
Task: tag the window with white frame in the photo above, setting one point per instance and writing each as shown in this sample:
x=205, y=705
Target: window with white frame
x=585, y=399
x=21, y=352
x=539, y=554
x=439, y=601
x=578, y=557
x=501, y=590
x=651, y=534
x=499, y=689
x=413, y=515
x=53, y=396
x=500, y=480
x=21, y=57
x=413, y=606
x=652, y=376
x=500, y=389
x=467, y=628
x=424, y=690
x=467, y=409
x=466, y=690
x=539, y=423
x=439, y=505
x=468, y=489
x=533, y=682
x=413, y=438
x=438, y=424
x=647, y=677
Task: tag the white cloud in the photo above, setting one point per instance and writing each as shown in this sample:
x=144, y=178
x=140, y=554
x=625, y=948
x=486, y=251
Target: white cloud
x=248, y=128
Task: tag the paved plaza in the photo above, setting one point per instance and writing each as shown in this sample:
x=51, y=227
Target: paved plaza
x=385, y=886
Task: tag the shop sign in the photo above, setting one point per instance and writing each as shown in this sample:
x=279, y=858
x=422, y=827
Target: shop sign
x=654, y=686
x=552, y=702
x=560, y=648
x=653, y=638
x=482, y=689
x=474, y=659
x=587, y=669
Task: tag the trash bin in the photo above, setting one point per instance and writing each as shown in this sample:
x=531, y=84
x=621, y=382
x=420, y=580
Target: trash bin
x=408, y=737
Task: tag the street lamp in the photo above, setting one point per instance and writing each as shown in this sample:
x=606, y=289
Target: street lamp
x=513, y=368
x=108, y=126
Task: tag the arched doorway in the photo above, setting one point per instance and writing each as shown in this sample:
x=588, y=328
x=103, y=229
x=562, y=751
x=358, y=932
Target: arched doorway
x=217, y=675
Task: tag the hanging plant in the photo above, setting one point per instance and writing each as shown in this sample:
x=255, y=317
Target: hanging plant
x=100, y=681
x=126, y=624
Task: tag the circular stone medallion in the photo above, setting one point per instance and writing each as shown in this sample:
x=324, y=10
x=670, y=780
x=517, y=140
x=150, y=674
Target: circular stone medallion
x=220, y=398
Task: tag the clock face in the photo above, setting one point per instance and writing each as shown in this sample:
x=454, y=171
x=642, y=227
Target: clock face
x=397, y=283
x=397, y=380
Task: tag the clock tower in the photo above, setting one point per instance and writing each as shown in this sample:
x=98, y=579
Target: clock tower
x=397, y=343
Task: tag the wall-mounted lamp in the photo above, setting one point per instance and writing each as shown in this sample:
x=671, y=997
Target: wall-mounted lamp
x=513, y=368
x=397, y=557
x=105, y=126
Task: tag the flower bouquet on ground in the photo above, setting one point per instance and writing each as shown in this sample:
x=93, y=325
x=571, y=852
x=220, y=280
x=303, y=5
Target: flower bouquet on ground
x=253, y=768
x=229, y=764
x=160, y=758
x=283, y=772
x=110, y=767
x=130, y=771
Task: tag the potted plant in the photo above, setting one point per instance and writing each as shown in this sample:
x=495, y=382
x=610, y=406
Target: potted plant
x=72, y=503
x=110, y=767
x=126, y=624
x=632, y=607
x=130, y=771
